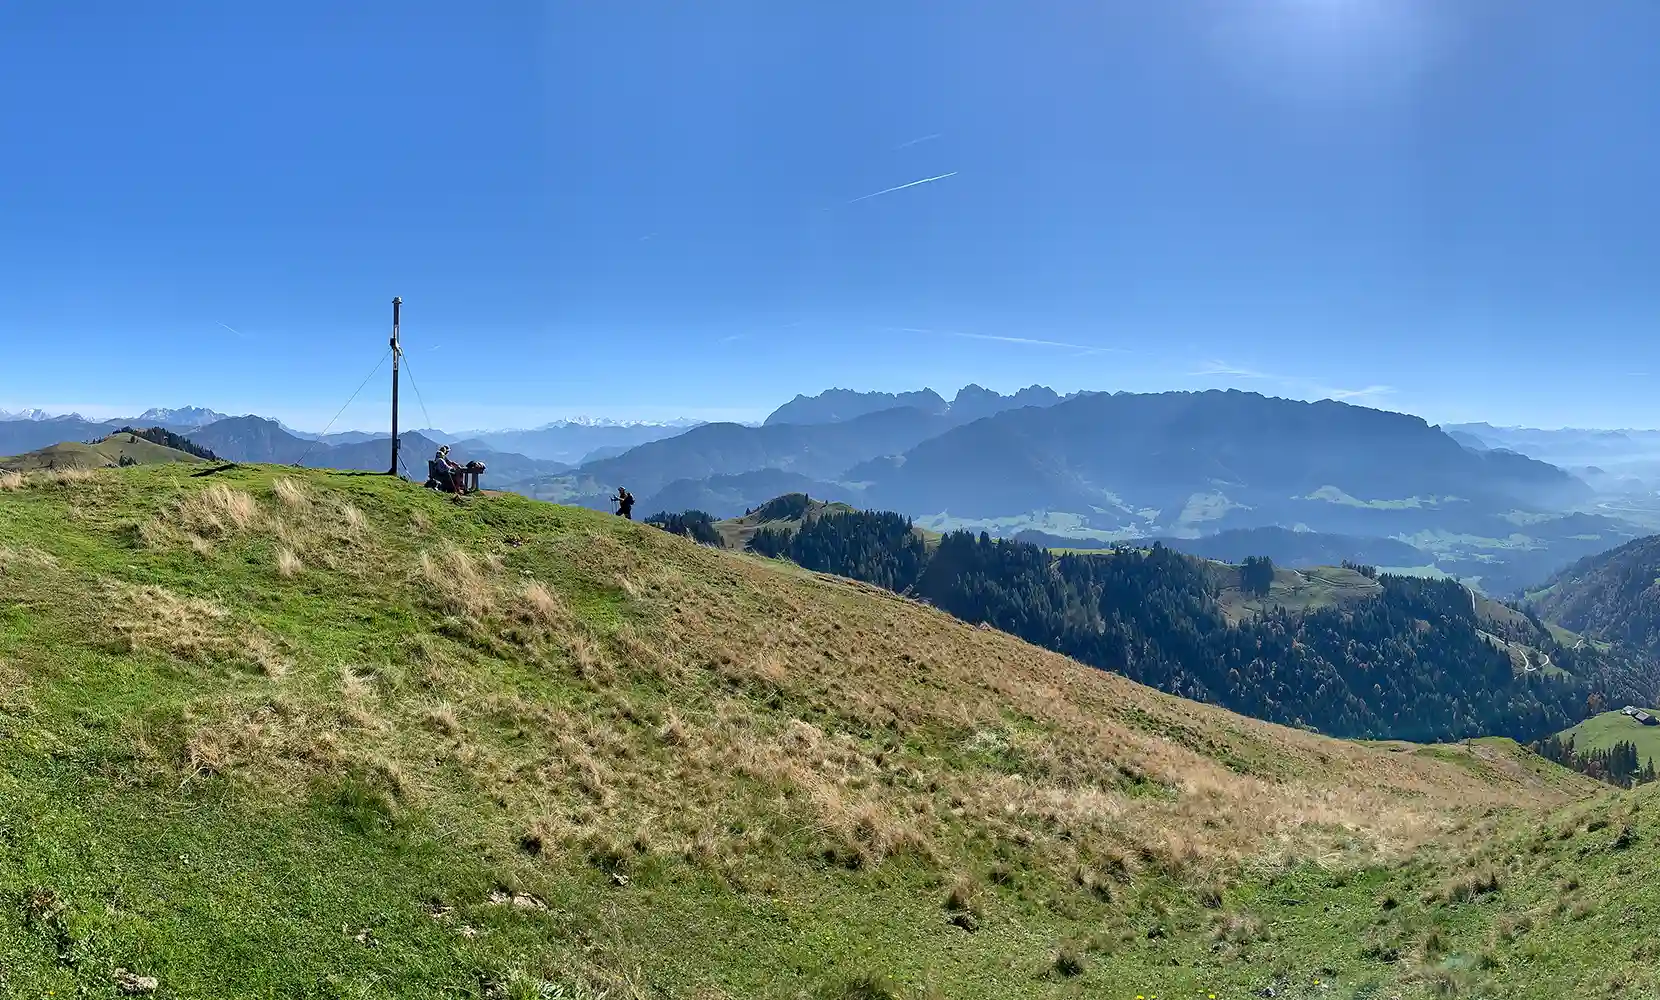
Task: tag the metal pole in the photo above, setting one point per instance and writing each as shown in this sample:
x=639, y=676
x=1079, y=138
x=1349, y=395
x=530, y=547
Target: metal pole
x=396, y=352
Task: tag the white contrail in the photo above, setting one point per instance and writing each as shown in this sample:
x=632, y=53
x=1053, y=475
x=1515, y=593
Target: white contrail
x=920, y=139
x=925, y=180
x=233, y=329
x=1032, y=341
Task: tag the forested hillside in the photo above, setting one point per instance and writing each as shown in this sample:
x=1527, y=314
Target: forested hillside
x=1416, y=662
x=1612, y=596
x=168, y=439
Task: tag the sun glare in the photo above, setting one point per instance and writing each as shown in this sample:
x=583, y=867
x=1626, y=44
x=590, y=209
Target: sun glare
x=1324, y=50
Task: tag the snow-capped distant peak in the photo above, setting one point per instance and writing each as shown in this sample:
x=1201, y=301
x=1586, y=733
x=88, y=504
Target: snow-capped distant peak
x=31, y=413
x=583, y=421
x=189, y=416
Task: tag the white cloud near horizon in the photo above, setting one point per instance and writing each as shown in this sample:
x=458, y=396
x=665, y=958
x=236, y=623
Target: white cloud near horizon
x=1318, y=387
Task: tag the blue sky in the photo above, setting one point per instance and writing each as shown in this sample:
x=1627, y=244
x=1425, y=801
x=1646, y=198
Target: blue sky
x=652, y=209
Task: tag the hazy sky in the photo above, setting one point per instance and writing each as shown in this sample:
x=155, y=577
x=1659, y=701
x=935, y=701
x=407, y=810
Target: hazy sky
x=650, y=209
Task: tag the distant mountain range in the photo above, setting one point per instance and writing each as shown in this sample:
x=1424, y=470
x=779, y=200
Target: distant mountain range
x=572, y=441
x=971, y=403
x=1615, y=462
x=1090, y=466
x=257, y=439
x=184, y=416
x=1129, y=466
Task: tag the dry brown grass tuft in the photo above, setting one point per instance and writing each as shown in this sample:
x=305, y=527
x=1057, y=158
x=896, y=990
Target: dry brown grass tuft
x=1237, y=929
x=358, y=706
x=62, y=477
x=156, y=534
x=266, y=656
x=288, y=563
x=539, y=607
x=672, y=732
x=292, y=494
x=455, y=579
x=1465, y=887
x=218, y=511
x=10, y=481
x=18, y=560
x=589, y=661
x=351, y=518
x=964, y=896
x=155, y=619
x=441, y=719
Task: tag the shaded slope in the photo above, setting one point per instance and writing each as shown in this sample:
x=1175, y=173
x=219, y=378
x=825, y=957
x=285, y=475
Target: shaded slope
x=1156, y=451
x=307, y=729
x=818, y=451
x=1613, y=596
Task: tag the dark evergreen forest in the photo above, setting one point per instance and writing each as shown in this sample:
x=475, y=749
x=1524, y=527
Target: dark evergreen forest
x=694, y=524
x=1617, y=765
x=168, y=439
x=1409, y=664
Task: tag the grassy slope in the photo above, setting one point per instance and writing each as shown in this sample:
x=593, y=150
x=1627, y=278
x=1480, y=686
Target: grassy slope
x=1603, y=731
x=271, y=736
x=736, y=532
x=1294, y=590
x=105, y=454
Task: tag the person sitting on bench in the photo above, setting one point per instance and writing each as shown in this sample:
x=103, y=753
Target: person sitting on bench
x=446, y=473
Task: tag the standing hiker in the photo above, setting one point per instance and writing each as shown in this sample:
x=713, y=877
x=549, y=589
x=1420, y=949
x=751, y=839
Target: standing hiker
x=625, y=503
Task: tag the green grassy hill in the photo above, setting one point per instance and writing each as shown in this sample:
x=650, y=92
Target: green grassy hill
x=1603, y=731
x=278, y=733
x=786, y=513
x=105, y=454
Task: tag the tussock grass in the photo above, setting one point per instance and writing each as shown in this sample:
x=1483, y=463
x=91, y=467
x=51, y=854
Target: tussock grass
x=216, y=512
x=10, y=481
x=456, y=581
x=155, y=619
x=62, y=477
x=23, y=559
x=289, y=563
x=292, y=494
